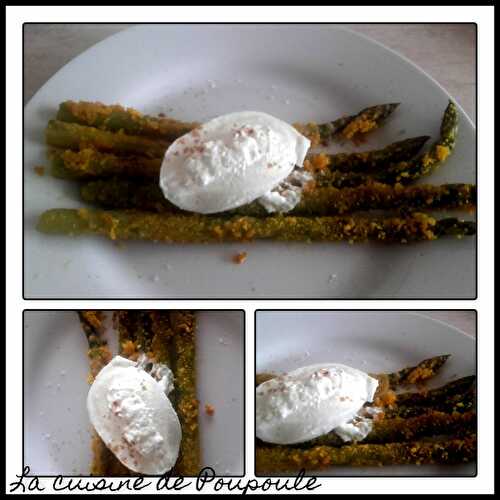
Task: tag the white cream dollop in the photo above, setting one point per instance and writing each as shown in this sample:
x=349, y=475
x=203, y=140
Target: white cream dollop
x=132, y=414
x=314, y=400
x=230, y=161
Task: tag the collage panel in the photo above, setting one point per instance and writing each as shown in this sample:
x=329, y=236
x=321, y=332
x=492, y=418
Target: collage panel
x=365, y=394
x=326, y=168
x=134, y=392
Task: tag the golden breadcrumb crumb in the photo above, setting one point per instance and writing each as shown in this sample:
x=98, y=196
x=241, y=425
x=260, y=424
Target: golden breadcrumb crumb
x=317, y=163
x=418, y=374
x=387, y=398
x=129, y=350
x=359, y=125
x=442, y=152
x=240, y=257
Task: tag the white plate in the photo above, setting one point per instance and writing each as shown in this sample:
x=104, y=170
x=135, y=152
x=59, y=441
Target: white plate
x=371, y=341
x=56, y=424
x=194, y=72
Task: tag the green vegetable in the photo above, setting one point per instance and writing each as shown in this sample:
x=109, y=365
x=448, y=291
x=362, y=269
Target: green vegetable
x=398, y=429
x=116, y=118
x=135, y=225
x=73, y=136
x=183, y=324
x=349, y=127
x=370, y=161
x=120, y=193
x=89, y=163
x=271, y=459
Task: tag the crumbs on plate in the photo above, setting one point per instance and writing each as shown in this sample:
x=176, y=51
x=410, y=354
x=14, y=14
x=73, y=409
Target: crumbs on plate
x=239, y=258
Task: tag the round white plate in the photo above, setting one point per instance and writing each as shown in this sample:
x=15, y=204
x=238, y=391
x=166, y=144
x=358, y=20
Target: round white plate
x=374, y=342
x=56, y=425
x=195, y=72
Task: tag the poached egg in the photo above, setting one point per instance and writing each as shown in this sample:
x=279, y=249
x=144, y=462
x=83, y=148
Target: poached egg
x=233, y=160
x=132, y=414
x=314, y=400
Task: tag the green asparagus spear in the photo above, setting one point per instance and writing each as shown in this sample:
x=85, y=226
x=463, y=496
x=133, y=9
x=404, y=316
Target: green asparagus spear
x=426, y=398
x=421, y=372
x=458, y=403
x=73, y=136
x=430, y=396
x=367, y=120
x=349, y=127
x=135, y=326
x=104, y=462
x=184, y=326
x=88, y=163
x=162, y=343
x=424, y=370
x=398, y=429
x=404, y=172
x=134, y=225
x=415, y=374
x=98, y=353
x=92, y=327
x=369, y=161
x=341, y=180
x=122, y=193
x=168, y=337
x=59, y=171
x=270, y=459
x=424, y=164
x=116, y=118
x=126, y=193
x=174, y=343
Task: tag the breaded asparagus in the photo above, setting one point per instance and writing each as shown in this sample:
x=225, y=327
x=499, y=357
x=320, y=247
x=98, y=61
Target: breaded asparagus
x=367, y=161
x=270, y=459
x=134, y=225
x=104, y=463
x=73, y=136
x=98, y=353
x=117, y=118
x=398, y=429
x=89, y=163
x=183, y=324
x=458, y=403
x=349, y=127
x=424, y=370
x=124, y=193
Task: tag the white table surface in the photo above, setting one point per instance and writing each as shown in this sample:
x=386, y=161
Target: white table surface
x=445, y=51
